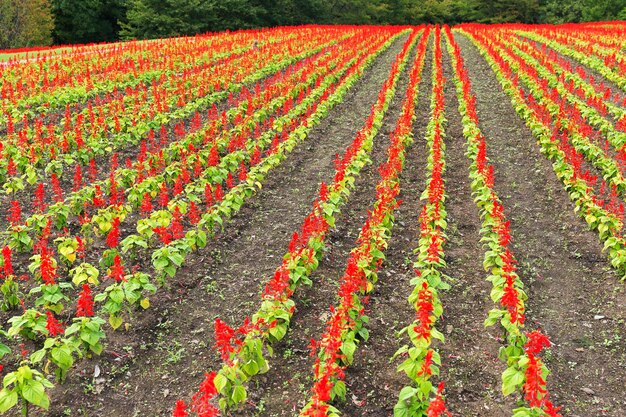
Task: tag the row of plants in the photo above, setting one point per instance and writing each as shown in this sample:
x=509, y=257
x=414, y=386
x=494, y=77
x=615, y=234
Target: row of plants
x=125, y=284
x=581, y=94
x=526, y=372
x=44, y=86
x=335, y=348
x=420, y=360
x=243, y=350
x=587, y=54
x=162, y=164
x=573, y=117
x=554, y=141
x=71, y=246
x=34, y=153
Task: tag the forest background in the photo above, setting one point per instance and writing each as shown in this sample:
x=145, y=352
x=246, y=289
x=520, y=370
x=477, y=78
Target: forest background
x=27, y=23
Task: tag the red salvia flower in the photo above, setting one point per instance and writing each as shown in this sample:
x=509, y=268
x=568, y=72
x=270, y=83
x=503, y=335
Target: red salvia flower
x=78, y=178
x=164, y=197
x=98, y=200
x=15, y=213
x=424, y=308
x=39, y=200
x=428, y=361
x=53, y=326
x=178, y=186
x=93, y=170
x=180, y=410
x=84, y=307
x=323, y=192
x=146, y=204
x=8, y=265
x=218, y=193
x=223, y=339
x=113, y=238
x=163, y=234
x=193, y=214
x=47, y=268
x=535, y=342
x=437, y=406
x=213, y=157
x=117, y=270
x=230, y=181
x=11, y=169
x=200, y=400
x=243, y=172
x=80, y=248
x=56, y=188
x=208, y=195
x=534, y=385
x=176, y=228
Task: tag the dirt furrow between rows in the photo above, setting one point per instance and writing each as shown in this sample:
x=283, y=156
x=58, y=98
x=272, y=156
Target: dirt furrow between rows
x=164, y=356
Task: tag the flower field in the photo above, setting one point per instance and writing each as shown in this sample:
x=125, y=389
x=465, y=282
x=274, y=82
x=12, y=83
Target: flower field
x=317, y=221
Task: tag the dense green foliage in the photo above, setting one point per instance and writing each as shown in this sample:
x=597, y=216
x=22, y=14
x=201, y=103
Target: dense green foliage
x=153, y=18
x=83, y=21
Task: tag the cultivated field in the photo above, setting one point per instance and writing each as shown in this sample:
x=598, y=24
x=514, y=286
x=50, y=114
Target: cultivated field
x=317, y=221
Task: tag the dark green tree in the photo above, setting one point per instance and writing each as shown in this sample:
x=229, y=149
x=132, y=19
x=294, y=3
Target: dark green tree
x=159, y=18
x=84, y=21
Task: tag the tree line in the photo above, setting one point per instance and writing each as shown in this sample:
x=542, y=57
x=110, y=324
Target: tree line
x=26, y=23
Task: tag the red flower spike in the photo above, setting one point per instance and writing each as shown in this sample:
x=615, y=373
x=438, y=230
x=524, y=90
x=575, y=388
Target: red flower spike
x=146, y=205
x=15, y=213
x=53, y=326
x=180, y=410
x=113, y=238
x=84, y=306
x=193, y=213
x=8, y=265
x=437, y=406
x=535, y=342
x=164, y=198
x=117, y=270
x=223, y=339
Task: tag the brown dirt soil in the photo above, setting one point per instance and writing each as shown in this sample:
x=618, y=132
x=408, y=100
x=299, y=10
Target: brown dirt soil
x=165, y=353
x=574, y=295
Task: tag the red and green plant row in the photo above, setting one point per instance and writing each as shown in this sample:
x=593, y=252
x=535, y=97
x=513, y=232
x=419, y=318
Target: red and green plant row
x=525, y=370
x=546, y=89
x=421, y=361
x=585, y=52
x=163, y=168
x=94, y=134
x=37, y=88
x=346, y=326
x=554, y=145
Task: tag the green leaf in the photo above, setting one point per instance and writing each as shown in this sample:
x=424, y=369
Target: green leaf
x=220, y=382
x=8, y=399
x=239, y=394
x=115, y=321
x=511, y=379
x=34, y=392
